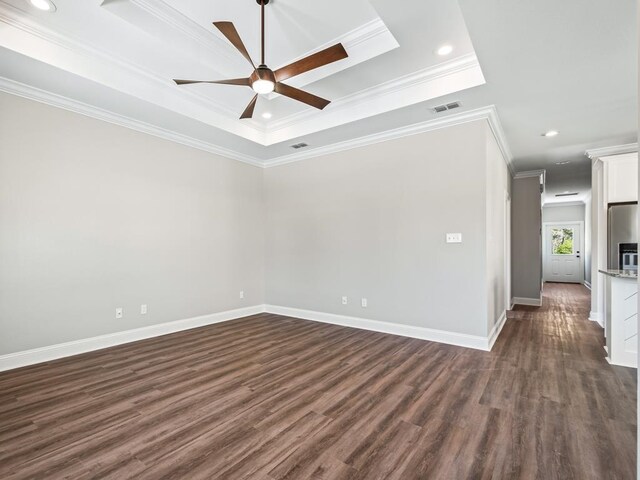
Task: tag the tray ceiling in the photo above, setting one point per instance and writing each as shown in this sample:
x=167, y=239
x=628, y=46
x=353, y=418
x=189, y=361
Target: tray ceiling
x=137, y=46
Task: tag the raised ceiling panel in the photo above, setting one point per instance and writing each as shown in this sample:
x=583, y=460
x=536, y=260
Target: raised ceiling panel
x=136, y=47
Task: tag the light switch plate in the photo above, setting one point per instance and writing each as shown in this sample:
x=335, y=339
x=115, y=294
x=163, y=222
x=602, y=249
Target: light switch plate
x=454, y=238
x=143, y=309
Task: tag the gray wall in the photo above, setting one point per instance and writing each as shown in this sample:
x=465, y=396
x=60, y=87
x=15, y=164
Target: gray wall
x=498, y=183
x=96, y=216
x=371, y=222
x=526, y=246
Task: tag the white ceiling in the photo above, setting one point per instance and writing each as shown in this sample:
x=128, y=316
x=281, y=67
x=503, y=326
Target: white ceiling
x=568, y=66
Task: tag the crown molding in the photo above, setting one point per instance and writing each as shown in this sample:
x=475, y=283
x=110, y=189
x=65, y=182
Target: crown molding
x=193, y=30
x=531, y=173
x=403, y=91
x=487, y=113
x=363, y=43
x=32, y=93
x=34, y=40
x=392, y=86
x=501, y=138
x=78, y=57
x=597, y=153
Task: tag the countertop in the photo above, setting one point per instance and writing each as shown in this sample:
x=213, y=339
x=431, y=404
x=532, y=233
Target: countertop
x=620, y=273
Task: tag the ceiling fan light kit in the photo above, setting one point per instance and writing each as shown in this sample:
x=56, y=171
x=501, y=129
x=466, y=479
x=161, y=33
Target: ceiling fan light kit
x=263, y=80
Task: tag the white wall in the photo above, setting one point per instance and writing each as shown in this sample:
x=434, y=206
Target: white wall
x=587, y=240
x=556, y=213
x=94, y=216
x=371, y=222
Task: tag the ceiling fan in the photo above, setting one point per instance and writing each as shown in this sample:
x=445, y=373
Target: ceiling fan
x=263, y=80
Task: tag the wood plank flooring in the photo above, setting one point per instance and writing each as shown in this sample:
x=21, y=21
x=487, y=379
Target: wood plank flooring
x=270, y=397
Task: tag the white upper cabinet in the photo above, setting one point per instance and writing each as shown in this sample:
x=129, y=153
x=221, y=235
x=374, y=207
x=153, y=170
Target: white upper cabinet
x=622, y=177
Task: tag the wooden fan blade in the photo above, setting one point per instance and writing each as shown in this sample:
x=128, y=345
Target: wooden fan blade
x=248, y=112
x=229, y=31
x=233, y=81
x=319, y=59
x=301, y=96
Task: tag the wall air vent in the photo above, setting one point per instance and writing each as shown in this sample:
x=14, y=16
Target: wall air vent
x=444, y=108
x=299, y=145
x=566, y=194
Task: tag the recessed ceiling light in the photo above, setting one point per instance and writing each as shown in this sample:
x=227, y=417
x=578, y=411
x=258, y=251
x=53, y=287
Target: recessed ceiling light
x=45, y=5
x=266, y=115
x=444, y=50
x=563, y=163
x=550, y=133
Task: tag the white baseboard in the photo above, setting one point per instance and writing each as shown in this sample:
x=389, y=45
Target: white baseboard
x=595, y=317
x=587, y=284
x=67, y=349
x=452, y=338
x=534, y=302
x=497, y=328
x=52, y=352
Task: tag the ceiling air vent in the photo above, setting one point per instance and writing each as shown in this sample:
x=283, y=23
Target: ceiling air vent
x=299, y=145
x=444, y=108
x=566, y=194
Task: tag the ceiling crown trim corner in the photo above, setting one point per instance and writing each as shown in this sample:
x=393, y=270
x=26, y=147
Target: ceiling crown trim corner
x=55, y=100
x=416, y=87
x=29, y=38
x=488, y=113
x=597, y=153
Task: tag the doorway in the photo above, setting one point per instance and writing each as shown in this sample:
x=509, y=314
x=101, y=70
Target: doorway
x=562, y=252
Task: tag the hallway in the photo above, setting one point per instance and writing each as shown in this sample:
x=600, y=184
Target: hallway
x=574, y=415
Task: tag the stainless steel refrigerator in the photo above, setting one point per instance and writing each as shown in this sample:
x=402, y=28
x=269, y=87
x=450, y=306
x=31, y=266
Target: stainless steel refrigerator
x=623, y=237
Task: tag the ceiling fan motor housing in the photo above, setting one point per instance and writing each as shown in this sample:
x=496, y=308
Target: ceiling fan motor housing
x=262, y=73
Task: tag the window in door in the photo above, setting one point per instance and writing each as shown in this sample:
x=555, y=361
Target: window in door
x=562, y=241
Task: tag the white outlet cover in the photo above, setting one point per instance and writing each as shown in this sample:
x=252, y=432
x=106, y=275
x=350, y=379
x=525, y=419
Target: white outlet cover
x=454, y=238
x=119, y=312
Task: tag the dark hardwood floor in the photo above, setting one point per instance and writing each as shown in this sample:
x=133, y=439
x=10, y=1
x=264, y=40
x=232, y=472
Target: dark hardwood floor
x=270, y=397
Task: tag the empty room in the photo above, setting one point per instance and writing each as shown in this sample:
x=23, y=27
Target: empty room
x=274, y=239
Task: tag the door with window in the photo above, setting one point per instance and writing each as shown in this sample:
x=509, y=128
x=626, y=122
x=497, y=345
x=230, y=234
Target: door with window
x=562, y=257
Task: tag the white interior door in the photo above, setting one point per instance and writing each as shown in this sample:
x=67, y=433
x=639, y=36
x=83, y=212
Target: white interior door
x=563, y=259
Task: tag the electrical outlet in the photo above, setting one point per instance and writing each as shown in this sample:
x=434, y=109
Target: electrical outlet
x=241, y=293
x=143, y=309
x=119, y=312
x=345, y=300
x=363, y=302
x=454, y=238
